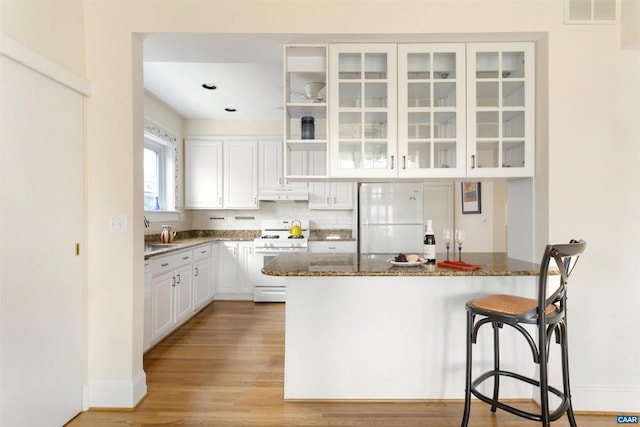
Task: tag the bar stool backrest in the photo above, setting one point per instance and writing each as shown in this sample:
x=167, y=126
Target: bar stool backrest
x=565, y=257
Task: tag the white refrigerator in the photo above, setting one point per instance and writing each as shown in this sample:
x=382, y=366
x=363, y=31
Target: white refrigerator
x=390, y=218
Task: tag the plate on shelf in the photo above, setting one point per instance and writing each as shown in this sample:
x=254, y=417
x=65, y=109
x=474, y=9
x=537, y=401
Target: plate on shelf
x=406, y=264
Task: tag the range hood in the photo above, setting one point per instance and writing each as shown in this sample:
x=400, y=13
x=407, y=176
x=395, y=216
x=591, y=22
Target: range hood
x=284, y=195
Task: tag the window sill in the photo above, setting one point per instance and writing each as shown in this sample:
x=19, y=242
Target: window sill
x=158, y=216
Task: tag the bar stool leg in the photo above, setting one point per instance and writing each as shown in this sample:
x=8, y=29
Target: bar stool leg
x=467, y=387
x=544, y=381
x=565, y=371
x=496, y=362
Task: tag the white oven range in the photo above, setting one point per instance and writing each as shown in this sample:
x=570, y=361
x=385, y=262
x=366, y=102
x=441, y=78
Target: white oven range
x=276, y=239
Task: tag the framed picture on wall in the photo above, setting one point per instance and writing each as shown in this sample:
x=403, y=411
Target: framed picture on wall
x=471, y=198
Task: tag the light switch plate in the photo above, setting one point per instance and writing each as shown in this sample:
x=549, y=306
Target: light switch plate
x=118, y=224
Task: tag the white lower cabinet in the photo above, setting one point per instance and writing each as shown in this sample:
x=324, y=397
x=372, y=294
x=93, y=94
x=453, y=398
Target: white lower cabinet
x=202, y=276
x=171, y=293
x=176, y=286
x=235, y=263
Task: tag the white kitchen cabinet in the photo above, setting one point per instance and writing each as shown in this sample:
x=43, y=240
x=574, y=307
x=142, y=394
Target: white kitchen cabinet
x=332, y=246
x=202, y=276
x=235, y=267
x=331, y=195
x=305, y=95
x=171, y=293
x=462, y=110
x=272, y=184
x=500, y=109
x=221, y=174
x=431, y=110
x=203, y=175
x=241, y=174
x=363, y=110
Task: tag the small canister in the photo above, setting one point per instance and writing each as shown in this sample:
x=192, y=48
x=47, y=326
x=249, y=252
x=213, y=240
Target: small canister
x=308, y=129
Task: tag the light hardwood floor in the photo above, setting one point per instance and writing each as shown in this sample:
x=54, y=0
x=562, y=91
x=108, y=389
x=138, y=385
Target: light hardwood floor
x=226, y=367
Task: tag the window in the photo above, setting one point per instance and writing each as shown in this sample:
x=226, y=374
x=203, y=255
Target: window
x=159, y=174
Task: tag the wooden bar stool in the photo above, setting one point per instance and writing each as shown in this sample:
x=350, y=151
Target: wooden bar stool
x=548, y=315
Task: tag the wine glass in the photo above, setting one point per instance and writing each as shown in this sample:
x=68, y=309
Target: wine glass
x=446, y=236
x=459, y=240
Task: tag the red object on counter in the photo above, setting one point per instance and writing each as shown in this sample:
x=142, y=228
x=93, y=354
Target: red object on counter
x=459, y=265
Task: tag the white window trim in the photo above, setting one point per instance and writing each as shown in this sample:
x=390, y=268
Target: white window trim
x=160, y=137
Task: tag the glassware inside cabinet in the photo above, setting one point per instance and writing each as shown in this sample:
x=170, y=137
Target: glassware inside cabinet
x=349, y=154
x=418, y=155
x=375, y=155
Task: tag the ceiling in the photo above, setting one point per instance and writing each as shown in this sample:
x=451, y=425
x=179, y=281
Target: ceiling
x=245, y=68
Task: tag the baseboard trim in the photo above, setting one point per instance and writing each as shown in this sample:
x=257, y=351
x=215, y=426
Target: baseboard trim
x=618, y=399
x=115, y=395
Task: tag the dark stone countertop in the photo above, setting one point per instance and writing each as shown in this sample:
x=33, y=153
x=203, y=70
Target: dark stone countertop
x=354, y=264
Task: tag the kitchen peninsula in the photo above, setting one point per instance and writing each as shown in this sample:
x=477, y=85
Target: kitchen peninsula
x=358, y=327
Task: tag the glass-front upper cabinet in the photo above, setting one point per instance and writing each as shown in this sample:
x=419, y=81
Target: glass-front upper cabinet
x=362, y=110
x=500, y=113
x=431, y=110
x=305, y=109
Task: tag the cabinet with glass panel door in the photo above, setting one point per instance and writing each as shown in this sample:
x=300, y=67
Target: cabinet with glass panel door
x=431, y=110
x=500, y=113
x=363, y=110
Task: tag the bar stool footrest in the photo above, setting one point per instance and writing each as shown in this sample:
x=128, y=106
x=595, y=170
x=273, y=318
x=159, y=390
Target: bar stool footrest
x=557, y=413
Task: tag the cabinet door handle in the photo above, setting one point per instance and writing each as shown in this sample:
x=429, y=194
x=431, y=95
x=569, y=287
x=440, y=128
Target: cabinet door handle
x=392, y=161
x=473, y=161
x=173, y=279
x=164, y=265
x=220, y=201
x=328, y=200
x=185, y=257
x=196, y=273
x=178, y=279
x=404, y=162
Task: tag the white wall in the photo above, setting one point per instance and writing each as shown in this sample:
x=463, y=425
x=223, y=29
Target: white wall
x=593, y=168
